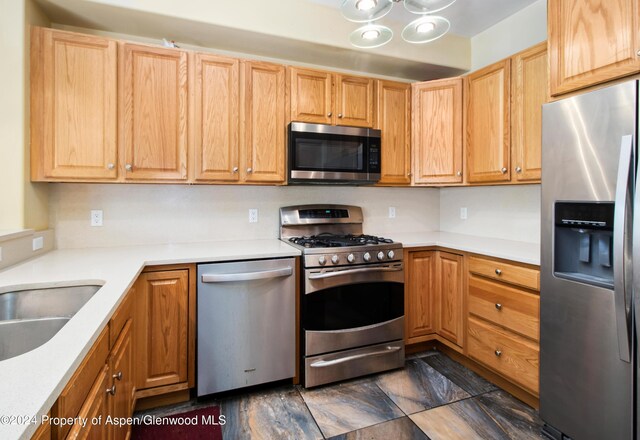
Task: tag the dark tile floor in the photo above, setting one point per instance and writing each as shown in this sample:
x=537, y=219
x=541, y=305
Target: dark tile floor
x=433, y=397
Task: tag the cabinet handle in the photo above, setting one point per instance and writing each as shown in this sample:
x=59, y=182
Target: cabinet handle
x=111, y=166
x=128, y=167
x=518, y=170
x=498, y=306
x=249, y=170
x=504, y=170
x=498, y=353
x=498, y=272
x=118, y=376
x=459, y=174
x=235, y=169
x=112, y=390
x=329, y=114
x=340, y=115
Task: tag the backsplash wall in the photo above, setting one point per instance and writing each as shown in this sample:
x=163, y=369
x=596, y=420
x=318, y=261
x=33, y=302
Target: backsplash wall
x=152, y=214
x=510, y=212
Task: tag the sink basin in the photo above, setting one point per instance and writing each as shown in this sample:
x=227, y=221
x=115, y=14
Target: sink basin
x=29, y=318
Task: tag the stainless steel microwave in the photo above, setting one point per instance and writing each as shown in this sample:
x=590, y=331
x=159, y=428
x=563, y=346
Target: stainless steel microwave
x=321, y=153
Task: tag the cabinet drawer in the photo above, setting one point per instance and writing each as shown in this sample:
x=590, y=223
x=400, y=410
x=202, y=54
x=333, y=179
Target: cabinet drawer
x=505, y=272
x=507, y=306
x=515, y=358
x=119, y=318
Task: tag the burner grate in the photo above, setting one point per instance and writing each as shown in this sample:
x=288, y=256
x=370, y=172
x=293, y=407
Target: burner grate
x=328, y=240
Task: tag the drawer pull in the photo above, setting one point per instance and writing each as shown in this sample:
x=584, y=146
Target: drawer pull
x=498, y=272
x=112, y=390
x=118, y=376
x=498, y=306
x=498, y=353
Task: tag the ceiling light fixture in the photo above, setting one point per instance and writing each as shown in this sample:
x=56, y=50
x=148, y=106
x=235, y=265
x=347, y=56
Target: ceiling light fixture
x=423, y=30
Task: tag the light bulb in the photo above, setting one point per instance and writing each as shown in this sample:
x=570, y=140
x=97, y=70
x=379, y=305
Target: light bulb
x=425, y=28
x=365, y=5
x=370, y=34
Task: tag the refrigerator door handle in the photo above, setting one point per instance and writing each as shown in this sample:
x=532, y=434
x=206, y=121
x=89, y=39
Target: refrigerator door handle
x=620, y=225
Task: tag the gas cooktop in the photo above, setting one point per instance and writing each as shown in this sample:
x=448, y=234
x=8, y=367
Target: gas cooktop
x=328, y=239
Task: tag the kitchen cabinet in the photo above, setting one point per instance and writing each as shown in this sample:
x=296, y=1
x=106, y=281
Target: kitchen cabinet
x=73, y=106
x=488, y=119
x=420, y=287
x=529, y=92
x=449, y=296
x=264, y=115
x=217, y=118
x=437, y=131
x=153, y=111
x=331, y=98
x=591, y=41
x=122, y=387
x=394, y=121
x=503, y=323
x=43, y=432
x=95, y=406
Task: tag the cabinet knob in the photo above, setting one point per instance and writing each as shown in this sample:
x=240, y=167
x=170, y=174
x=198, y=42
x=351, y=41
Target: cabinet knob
x=638, y=53
x=249, y=170
x=498, y=272
x=498, y=353
x=518, y=170
x=340, y=115
x=118, y=376
x=128, y=167
x=111, y=166
x=235, y=169
x=112, y=390
x=504, y=170
x=409, y=174
x=498, y=306
x=329, y=114
x=459, y=174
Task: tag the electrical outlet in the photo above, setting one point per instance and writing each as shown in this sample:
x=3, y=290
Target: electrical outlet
x=0, y=254
x=392, y=212
x=463, y=213
x=96, y=217
x=253, y=215
x=37, y=243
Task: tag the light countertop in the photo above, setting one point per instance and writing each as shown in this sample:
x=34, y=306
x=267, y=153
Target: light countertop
x=33, y=381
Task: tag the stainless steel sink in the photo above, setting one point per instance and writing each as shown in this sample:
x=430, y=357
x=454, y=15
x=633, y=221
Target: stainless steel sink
x=29, y=318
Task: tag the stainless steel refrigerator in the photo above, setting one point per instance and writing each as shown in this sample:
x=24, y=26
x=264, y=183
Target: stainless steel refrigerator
x=588, y=364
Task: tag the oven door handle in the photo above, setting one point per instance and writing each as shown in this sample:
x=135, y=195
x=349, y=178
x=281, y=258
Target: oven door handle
x=246, y=276
x=386, y=350
x=337, y=273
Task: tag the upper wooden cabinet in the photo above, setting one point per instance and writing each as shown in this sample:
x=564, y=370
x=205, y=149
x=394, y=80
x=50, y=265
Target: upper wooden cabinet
x=488, y=135
x=217, y=118
x=73, y=106
x=394, y=120
x=330, y=98
x=437, y=131
x=264, y=116
x=591, y=41
x=529, y=92
x=153, y=112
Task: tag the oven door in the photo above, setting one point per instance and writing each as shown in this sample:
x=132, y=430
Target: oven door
x=351, y=307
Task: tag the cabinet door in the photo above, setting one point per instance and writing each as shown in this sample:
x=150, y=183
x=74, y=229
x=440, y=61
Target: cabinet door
x=394, y=120
x=161, y=328
x=591, y=41
x=529, y=92
x=420, y=291
x=74, y=129
x=488, y=135
x=450, y=294
x=121, y=370
x=437, y=131
x=355, y=101
x=96, y=405
x=217, y=118
x=311, y=95
x=264, y=123
x=153, y=112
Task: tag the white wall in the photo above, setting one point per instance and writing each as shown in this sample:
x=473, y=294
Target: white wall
x=511, y=213
x=147, y=214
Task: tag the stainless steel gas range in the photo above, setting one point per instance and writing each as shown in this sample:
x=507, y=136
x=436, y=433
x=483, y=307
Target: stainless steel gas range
x=352, y=288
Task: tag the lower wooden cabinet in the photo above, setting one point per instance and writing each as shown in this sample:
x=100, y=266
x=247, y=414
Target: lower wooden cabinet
x=96, y=406
x=449, y=296
x=122, y=389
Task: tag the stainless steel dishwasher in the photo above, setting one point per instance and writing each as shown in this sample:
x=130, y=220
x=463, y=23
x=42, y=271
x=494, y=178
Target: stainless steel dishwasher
x=246, y=324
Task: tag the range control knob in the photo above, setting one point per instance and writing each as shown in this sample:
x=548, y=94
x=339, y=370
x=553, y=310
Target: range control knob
x=351, y=258
x=390, y=255
x=335, y=259
x=366, y=257
x=380, y=255
x=322, y=261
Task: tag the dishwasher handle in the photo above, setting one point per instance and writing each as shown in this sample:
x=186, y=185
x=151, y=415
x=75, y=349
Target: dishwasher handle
x=246, y=276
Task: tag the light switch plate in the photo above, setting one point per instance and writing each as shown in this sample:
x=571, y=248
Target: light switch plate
x=463, y=213
x=0, y=254
x=38, y=243
x=392, y=212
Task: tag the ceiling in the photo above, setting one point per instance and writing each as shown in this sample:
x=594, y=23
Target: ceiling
x=306, y=32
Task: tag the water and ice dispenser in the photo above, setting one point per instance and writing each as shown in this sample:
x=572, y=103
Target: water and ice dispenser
x=584, y=242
